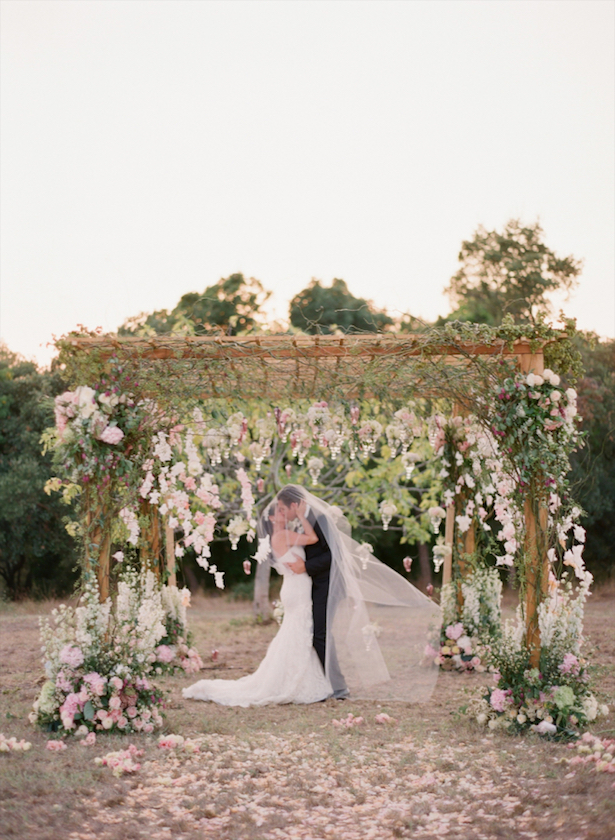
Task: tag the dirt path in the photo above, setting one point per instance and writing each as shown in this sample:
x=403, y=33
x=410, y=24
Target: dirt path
x=288, y=772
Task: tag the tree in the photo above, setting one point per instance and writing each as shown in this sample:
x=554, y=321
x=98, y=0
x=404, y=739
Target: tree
x=512, y=272
x=36, y=554
x=318, y=309
x=232, y=305
x=593, y=467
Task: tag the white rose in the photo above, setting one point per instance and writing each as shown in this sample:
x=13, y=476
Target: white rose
x=521, y=718
x=482, y=718
x=85, y=399
x=531, y=380
x=551, y=377
x=538, y=380
x=555, y=396
x=571, y=394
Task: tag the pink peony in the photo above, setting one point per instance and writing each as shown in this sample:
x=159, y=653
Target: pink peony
x=112, y=435
x=498, y=699
x=165, y=654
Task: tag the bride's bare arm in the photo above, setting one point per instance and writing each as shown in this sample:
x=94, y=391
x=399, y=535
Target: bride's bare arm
x=309, y=536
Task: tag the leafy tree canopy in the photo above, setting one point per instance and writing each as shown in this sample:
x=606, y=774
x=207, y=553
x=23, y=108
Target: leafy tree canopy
x=511, y=272
x=232, y=306
x=36, y=553
x=320, y=309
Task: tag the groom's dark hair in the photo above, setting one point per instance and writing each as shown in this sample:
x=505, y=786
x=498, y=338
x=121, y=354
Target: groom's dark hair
x=291, y=494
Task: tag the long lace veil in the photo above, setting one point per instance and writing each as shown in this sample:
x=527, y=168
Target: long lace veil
x=378, y=624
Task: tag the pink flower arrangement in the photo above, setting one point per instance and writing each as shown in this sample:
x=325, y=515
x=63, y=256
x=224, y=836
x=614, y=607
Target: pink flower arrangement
x=89, y=740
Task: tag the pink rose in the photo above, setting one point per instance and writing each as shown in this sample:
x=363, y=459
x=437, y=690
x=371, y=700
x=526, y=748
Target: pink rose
x=117, y=683
x=89, y=740
x=112, y=435
x=56, y=746
x=115, y=703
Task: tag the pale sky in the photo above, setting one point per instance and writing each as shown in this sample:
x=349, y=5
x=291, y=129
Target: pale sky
x=151, y=147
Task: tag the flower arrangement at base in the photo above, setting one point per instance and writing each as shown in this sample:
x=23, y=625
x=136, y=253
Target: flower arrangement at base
x=175, y=650
x=554, y=699
x=98, y=658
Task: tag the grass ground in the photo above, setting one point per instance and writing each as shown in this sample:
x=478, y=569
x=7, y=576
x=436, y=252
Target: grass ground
x=287, y=772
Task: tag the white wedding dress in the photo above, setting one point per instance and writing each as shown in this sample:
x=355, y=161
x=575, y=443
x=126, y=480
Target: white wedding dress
x=291, y=671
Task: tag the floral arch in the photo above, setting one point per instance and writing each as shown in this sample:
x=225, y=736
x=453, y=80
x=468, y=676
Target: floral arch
x=150, y=421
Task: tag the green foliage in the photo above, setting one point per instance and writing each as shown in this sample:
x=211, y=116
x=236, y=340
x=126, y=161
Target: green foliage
x=232, y=306
x=593, y=467
x=320, y=309
x=511, y=272
x=36, y=554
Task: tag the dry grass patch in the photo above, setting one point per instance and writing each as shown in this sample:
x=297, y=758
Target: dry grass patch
x=276, y=773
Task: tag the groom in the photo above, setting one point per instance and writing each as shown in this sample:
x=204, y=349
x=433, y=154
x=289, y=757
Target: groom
x=317, y=564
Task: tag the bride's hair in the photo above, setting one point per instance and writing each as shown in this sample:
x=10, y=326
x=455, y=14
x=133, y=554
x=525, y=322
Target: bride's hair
x=267, y=524
x=290, y=494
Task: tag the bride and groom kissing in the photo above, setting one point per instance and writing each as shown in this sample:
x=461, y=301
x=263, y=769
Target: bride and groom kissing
x=350, y=621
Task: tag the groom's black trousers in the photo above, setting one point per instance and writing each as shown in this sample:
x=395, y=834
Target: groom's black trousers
x=320, y=592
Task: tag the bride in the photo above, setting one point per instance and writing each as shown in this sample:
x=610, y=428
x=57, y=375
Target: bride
x=379, y=629
x=291, y=671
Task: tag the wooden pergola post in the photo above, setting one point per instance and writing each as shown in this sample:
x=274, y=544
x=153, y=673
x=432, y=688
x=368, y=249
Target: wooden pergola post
x=151, y=538
x=537, y=562
x=169, y=544
x=97, y=543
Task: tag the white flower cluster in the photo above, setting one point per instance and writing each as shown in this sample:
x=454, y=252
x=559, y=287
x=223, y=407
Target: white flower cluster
x=175, y=603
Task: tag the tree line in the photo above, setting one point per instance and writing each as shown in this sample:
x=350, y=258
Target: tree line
x=502, y=274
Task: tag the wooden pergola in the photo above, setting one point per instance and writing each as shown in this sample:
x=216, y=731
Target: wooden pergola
x=271, y=367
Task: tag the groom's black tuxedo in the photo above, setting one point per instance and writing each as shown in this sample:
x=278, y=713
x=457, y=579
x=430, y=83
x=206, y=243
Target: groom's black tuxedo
x=318, y=566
